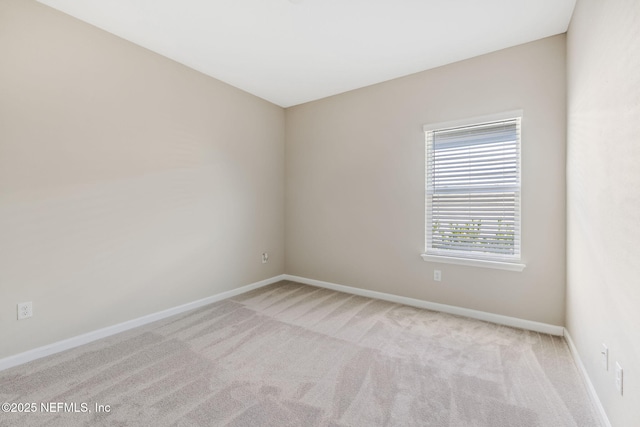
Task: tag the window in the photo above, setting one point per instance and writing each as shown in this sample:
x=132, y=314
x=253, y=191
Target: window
x=473, y=192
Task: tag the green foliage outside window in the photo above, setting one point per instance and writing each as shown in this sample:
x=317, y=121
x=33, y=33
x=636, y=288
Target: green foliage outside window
x=471, y=234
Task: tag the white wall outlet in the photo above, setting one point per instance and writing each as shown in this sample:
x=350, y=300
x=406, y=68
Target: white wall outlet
x=265, y=257
x=437, y=275
x=604, y=353
x=619, y=377
x=25, y=310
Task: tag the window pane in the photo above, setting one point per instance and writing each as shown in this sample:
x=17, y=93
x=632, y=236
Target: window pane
x=473, y=190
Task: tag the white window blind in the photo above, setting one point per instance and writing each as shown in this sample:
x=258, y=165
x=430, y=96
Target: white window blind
x=473, y=191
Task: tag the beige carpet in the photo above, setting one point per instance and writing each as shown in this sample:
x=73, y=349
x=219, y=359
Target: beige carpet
x=295, y=355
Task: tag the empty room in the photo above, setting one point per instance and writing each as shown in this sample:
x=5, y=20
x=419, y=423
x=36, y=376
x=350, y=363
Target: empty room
x=320, y=213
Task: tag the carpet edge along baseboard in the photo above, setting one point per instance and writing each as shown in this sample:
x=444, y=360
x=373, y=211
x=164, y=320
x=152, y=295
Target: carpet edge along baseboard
x=59, y=346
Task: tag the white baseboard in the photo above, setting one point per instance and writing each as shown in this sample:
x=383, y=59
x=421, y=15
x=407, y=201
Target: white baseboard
x=466, y=312
x=585, y=377
x=76, y=341
x=37, y=353
x=57, y=347
x=79, y=340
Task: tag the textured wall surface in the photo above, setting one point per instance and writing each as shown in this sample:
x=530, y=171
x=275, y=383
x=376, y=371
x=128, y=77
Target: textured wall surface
x=128, y=183
x=355, y=182
x=603, y=197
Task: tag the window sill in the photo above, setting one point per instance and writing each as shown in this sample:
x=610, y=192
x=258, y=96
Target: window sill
x=510, y=266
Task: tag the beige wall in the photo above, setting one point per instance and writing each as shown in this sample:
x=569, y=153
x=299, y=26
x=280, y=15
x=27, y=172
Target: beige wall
x=603, y=205
x=128, y=183
x=355, y=182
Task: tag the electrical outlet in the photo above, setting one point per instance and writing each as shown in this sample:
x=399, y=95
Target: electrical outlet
x=25, y=310
x=605, y=357
x=619, y=378
x=265, y=257
x=437, y=275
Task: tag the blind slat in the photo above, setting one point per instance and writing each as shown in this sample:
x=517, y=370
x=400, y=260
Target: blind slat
x=473, y=189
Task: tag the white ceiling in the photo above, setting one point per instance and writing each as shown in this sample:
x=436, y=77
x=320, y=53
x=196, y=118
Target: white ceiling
x=293, y=51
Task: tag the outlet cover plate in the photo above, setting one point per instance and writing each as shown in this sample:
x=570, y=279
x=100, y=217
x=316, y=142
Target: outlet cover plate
x=619, y=377
x=25, y=310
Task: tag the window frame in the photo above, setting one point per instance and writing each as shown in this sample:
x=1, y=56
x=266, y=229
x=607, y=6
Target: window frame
x=471, y=258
